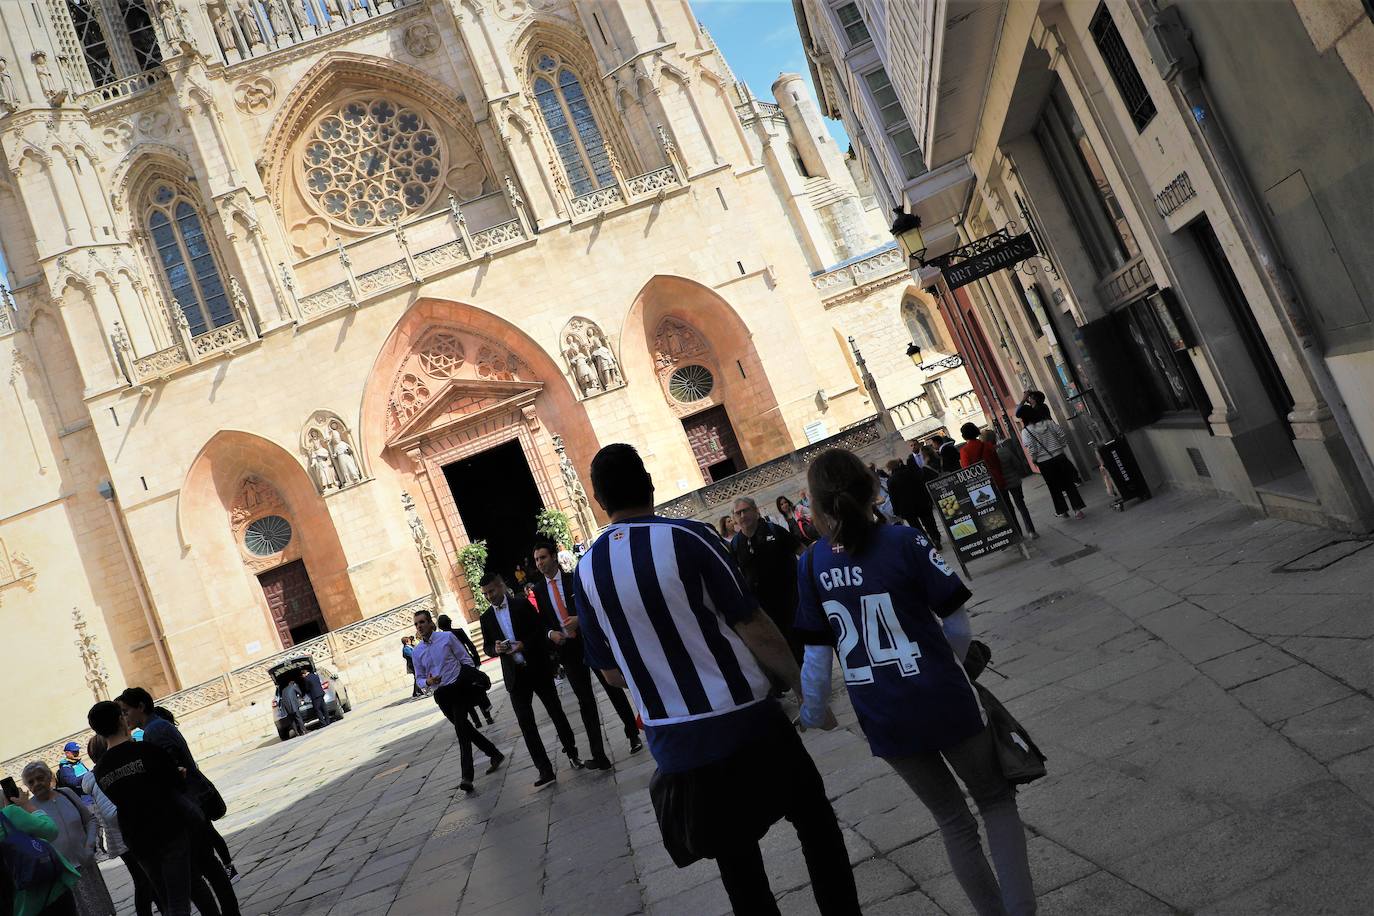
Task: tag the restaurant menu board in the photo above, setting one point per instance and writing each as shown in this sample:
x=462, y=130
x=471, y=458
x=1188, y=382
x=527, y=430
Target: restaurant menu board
x=974, y=512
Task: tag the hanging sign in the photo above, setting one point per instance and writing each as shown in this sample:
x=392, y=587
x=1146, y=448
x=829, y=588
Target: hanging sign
x=993, y=253
x=978, y=520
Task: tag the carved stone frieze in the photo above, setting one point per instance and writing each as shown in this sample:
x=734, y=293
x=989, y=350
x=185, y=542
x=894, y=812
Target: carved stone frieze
x=15, y=569
x=441, y=354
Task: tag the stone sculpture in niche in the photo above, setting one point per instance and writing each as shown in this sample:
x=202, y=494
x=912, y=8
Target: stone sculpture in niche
x=344, y=462
x=328, y=448
x=591, y=361
x=321, y=463
x=52, y=90
x=9, y=99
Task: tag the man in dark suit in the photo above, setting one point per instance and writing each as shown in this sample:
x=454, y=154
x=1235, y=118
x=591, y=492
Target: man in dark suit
x=556, y=597
x=315, y=689
x=512, y=630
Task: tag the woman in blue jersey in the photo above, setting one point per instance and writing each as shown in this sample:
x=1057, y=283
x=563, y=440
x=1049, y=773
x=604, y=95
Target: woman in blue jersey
x=883, y=600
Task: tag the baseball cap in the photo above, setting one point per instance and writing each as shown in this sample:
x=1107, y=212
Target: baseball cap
x=73, y=747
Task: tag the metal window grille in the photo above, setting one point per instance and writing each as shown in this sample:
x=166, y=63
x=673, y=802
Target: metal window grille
x=1122, y=68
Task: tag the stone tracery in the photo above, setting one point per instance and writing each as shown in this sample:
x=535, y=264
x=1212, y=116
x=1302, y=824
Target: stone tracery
x=441, y=354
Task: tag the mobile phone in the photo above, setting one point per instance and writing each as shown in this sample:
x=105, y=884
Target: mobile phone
x=11, y=790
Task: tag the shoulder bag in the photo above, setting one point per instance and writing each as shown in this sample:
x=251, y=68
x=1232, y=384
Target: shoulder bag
x=29, y=861
x=1020, y=758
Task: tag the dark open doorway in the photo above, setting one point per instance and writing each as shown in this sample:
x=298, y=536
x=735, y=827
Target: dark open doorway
x=497, y=500
x=291, y=599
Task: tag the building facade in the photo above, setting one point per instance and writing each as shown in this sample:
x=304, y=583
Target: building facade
x=306, y=297
x=1198, y=185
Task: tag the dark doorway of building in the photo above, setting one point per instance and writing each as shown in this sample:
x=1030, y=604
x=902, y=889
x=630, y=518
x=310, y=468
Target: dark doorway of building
x=291, y=599
x=714, y=444
x=498, y=501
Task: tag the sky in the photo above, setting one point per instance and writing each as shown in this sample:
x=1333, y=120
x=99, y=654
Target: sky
x=759, y=39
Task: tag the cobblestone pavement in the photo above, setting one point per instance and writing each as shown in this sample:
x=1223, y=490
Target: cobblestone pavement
x=1208, y=721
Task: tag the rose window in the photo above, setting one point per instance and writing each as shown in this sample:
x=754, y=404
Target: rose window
x=371, y=161
x=690, y=383
x=267, y=535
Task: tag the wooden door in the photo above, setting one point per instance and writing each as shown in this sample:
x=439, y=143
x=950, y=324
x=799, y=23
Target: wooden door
x=714, y=444
x=291, y=599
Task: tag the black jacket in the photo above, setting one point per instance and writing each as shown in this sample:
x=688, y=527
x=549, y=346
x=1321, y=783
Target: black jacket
x=313, y=686
x=528, y=629
x=907, y=489
x=571, y=650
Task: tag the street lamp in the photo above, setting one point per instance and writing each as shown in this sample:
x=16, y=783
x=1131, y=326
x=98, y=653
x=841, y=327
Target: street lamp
x=913, y=353
x=906, y=229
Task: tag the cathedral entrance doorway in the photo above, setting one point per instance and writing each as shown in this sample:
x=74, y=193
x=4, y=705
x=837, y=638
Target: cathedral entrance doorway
x=291, y=599
x=498, y=501
x=713, y=443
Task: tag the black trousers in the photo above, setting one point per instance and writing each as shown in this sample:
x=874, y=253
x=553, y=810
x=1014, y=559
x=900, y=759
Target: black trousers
x=1017, y=496
x=523, y=688
x=454, y=702
x=185, y=871
x=580, y=677
x=1059, y=474
x=925, y=520
x=321, y=710
x=771, y=777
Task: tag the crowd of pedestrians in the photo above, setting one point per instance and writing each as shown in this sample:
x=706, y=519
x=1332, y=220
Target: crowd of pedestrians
x=703, y=631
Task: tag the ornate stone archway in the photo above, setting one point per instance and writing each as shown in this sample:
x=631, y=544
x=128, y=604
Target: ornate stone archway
x=456, y=392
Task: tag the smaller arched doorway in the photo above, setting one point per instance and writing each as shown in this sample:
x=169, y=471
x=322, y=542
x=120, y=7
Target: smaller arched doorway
x=261, y=537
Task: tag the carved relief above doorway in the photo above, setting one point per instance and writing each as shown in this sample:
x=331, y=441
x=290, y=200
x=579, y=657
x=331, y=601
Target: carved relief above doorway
x=261, y=525
x=458, y=395
x=685, y=366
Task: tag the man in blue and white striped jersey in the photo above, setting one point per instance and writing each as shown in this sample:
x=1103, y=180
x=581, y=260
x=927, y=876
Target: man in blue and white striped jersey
x=663, y=610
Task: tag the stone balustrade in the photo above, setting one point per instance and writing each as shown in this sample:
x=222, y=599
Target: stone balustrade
x=715, y=498
x=122, y=88
x=885, y=263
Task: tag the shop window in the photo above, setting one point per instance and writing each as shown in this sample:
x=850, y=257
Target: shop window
x=1170, y=381
x=1122, y=67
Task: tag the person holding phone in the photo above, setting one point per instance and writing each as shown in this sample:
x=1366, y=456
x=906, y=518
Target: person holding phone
x=48, y=898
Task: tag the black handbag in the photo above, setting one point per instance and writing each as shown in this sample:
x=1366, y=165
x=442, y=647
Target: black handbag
x=207, y=797
x=471, y=676
x=1021, y=760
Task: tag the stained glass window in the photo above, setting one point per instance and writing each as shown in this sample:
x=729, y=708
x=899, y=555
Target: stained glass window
x=568, y=116
x=371, y=161
x=187, y=259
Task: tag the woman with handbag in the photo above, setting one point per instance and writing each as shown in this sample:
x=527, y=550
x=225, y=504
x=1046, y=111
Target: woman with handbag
x=883, y=599
x=1046, y=443
x=798, y=518
x=34, y=878
x=77, y=836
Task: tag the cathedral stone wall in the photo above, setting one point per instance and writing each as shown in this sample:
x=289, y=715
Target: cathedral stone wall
x=277, y=279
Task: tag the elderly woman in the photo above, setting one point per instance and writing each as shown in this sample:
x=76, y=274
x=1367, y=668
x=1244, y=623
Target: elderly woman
x=77, y=835
x=49, y=898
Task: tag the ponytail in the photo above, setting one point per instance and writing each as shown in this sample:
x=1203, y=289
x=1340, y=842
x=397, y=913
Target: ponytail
x=843, y=492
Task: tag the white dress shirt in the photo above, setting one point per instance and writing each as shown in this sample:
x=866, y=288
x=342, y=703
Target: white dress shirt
x=503, y=619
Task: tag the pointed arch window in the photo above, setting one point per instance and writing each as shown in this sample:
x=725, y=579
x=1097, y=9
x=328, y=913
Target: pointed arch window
x=567, y=113
x=917, y=321
x=94, y=45
x=186, y=257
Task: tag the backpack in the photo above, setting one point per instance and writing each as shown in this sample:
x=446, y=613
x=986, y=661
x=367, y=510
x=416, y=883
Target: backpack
x=29, y=862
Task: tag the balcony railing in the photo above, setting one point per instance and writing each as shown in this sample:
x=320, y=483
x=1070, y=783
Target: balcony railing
x=911, y=411
x=220, y=338
x=595, y=201
x=256, y=28
x=123, y=88
x=884, y=263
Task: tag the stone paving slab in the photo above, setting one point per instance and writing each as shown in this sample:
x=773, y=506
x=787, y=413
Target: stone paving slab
x=1208, y=722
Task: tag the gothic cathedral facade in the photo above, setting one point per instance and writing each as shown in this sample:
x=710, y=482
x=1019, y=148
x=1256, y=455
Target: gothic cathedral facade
x=303, y=292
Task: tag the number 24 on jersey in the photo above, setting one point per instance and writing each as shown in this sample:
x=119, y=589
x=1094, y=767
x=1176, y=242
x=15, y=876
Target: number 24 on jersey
x=880, y=636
